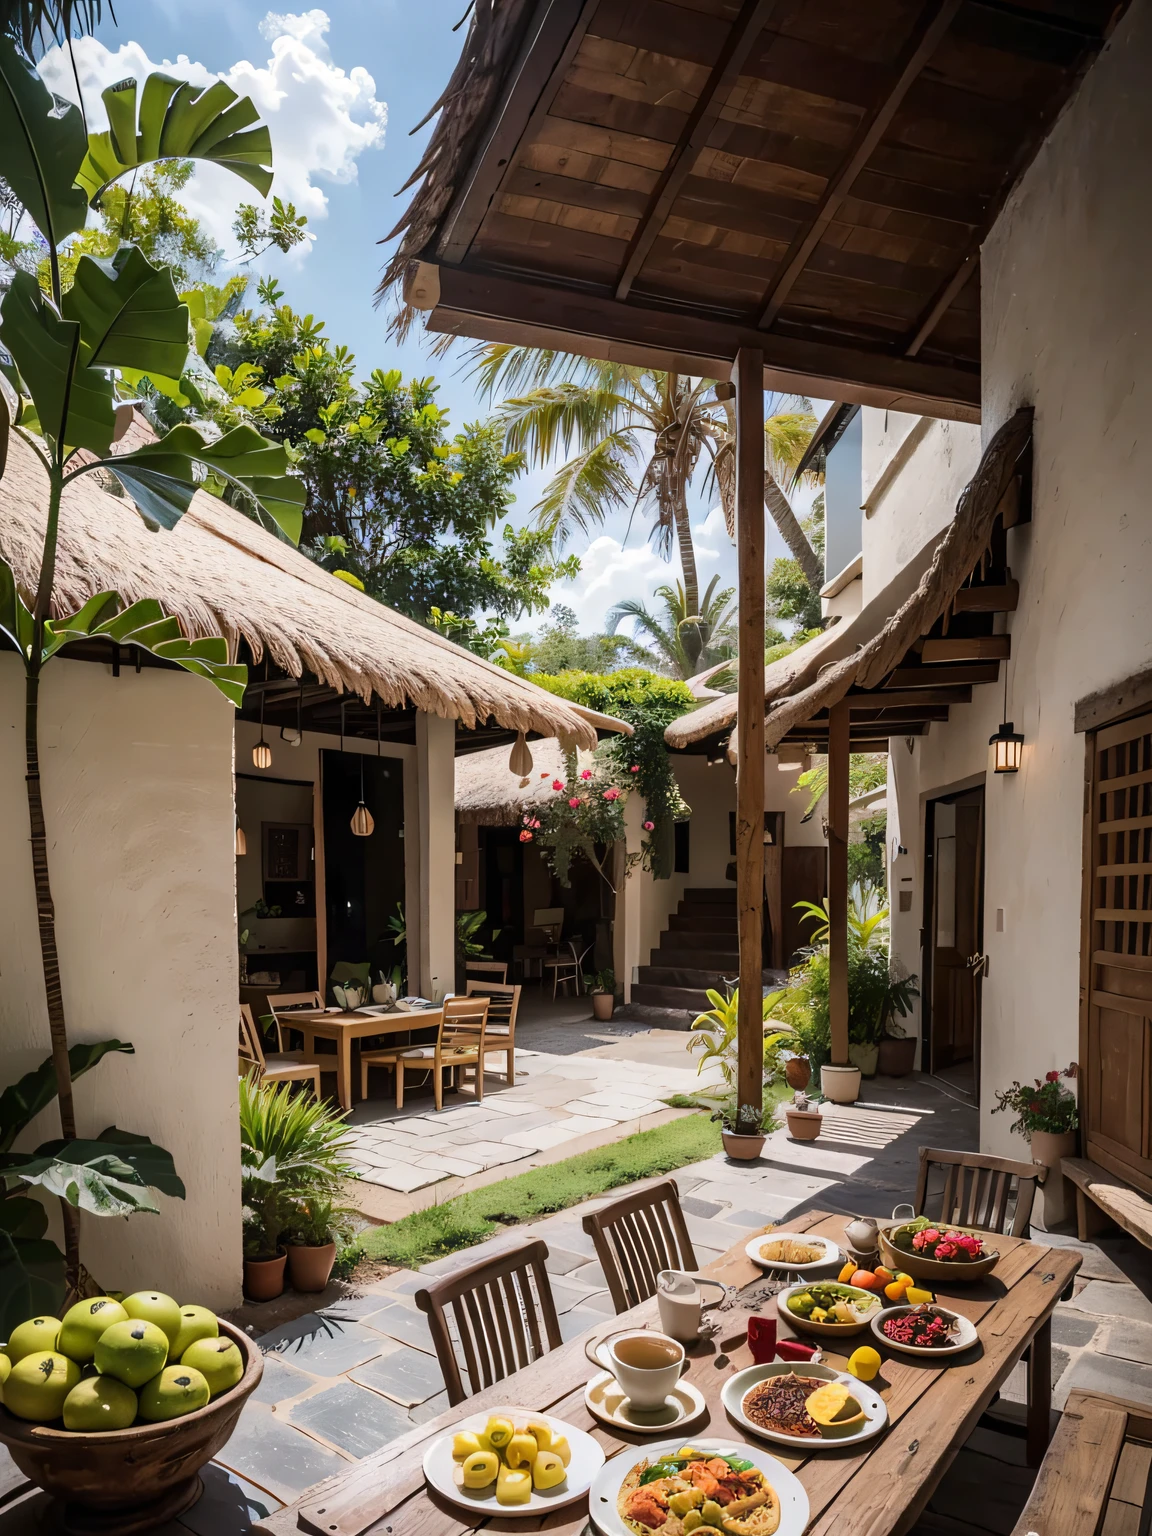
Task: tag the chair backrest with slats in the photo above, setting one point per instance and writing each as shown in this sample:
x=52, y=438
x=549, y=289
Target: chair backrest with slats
x=497, y=969
x=502, y=1315
x=638, y=1236
x=975, y=1189
x=284, y=1004
x=250, y=1043
x=503, y=1002
x=462, y=1025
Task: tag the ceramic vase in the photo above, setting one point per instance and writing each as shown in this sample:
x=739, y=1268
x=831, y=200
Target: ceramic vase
x=1048, y=1147
x=840, y=1085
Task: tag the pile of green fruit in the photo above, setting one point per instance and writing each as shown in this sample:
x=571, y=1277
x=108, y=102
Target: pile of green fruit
x=106, y=1365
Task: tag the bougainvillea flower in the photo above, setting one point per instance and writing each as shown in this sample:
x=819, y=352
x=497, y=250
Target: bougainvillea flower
x=611, y=794
x=586, y=774
x=1051, y=1077
x=525, y=836
x=557, y=783
x=574, y=802
x=649, y=826
x=534, y=823
x=635, y=768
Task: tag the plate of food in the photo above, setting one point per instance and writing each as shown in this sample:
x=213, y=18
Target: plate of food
x=938, y=1251
x=804, y=1406
x=827, y=1307
x=714, y=1486
x=798, y=1251
x=924, y=1330
x=513, y=1461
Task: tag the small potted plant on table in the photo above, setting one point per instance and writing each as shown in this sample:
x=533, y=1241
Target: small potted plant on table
x=602, y=988
x=1047, y=1114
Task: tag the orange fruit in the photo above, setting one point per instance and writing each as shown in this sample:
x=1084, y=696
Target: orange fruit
x=846, y=1273
x=883, y=1274
x=864, y=1280
x=895, y=1289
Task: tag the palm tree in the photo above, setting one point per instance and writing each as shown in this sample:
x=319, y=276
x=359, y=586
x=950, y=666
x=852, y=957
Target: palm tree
x=687, y=641
x=786, y=436
x=31, y=21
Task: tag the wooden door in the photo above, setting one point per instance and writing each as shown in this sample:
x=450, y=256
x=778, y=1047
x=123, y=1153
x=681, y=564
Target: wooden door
x=957, y=927
x=1116, y=1091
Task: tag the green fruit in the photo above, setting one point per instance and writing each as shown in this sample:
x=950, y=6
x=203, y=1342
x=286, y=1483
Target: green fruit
x=38, y=1384
x=132, y=1351
x=5, y=1367
x=83, y=1325
x=177, y=1390
x=195, y=1323
x=37, y=1336
x=219, y=1361
x=99, y=1402
x=155, y=1307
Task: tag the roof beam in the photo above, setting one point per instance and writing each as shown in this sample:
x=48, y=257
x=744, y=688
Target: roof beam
x=745, y=30
x=989, y=599
x=932, y=23
x=974, y=648
x=492, y=307
x=933, y=677
x=886, y=698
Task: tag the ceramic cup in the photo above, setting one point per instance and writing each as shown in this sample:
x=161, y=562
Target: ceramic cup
x=681, y=1304
x=647, y=1365
x=762, y=1339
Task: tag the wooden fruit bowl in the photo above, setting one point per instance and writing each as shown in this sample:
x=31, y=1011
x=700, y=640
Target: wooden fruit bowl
x=130, y=1480
x=941, y=1272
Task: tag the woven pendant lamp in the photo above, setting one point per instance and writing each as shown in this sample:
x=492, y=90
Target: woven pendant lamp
x=362, y=823
x=520, y=761
x=262, y=752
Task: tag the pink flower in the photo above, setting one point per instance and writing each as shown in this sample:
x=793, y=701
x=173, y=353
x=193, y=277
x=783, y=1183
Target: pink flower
x=649, y=826
x=587, y=773
x=534, y=822
x=1051, y=1077
x=574, y=802
x=557, y=783
x=525, y=837
x=611, y=794
x=635, y=768
x=946, y=1250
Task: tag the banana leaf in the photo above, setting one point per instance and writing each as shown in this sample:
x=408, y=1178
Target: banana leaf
x=75, y=404
x=109, y=1176
x=129, y=314
x=23, y=1100
x=42, y=144
x=31, y=1279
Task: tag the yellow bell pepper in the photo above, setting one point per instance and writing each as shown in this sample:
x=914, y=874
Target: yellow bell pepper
x=521, y=1450
x=481, y=1469
x=548, y=1471
x=917, y=1296
x=513, y=1485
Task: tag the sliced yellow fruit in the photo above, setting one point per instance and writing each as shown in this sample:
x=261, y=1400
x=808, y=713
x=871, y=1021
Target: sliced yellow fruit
x=561, y=1447
x=513, y=1485
x=917, y=1296
x=481, y=1468
x=466, y=1444
x=863, y=1363
x=521, y=1450
x=541, y=1432
x=548, y=1471
x=499, y=1431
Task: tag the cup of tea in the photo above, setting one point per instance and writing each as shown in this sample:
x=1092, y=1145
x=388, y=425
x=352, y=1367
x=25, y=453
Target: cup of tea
x=647, y=1365
x=681, y=1305
x=762, y=1339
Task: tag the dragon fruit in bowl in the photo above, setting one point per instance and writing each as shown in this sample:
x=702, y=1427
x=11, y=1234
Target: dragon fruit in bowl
x=937, y=1250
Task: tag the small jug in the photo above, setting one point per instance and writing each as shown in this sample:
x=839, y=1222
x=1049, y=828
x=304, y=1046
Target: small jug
x=681, y=1305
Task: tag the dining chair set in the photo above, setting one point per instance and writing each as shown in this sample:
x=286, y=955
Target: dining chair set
x=492, y=1318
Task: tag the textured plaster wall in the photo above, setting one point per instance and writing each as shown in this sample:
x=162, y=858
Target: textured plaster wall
x=137, y=775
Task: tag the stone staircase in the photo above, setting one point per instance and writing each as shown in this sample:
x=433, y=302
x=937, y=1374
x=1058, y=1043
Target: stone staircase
x=698, y=950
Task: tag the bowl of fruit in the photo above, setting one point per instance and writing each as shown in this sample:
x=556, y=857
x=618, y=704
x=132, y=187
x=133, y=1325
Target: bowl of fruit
x=938, y=1251
x=512, y=1462
x=827, y=1307
x=114, y=1408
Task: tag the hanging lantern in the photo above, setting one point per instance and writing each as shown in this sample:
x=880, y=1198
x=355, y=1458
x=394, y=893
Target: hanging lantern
x=1007, y=745
x=362, y=823
x=241, y=842
x=262, y=752
x=520, y=762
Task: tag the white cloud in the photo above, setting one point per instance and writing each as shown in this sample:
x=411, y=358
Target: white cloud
x=321, y=117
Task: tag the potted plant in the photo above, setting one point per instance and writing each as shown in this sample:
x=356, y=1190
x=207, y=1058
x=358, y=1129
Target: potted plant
x=804, y=1119
x=602, y=987
x=897, y=1052
x=315, y=1226
x=1047, y=1114
x=742, y=1133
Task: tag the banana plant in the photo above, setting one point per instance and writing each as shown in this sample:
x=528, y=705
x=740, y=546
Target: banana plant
x=69, y=364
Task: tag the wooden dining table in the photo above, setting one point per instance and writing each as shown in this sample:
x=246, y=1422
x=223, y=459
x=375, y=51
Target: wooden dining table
x=343, y=1027
x=876, y=1488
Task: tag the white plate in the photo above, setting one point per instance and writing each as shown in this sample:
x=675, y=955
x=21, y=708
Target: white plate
x=737, y=1387
x=964, y=1339
x=587, y=1460
x=831, y=1252
x=605, y=1400
x=602, y=1499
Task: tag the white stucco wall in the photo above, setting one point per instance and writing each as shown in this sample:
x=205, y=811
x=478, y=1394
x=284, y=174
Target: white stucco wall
x=1067, y=311
x=137, y=776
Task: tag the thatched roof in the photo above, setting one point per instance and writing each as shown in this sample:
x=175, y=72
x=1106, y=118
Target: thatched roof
x=863, y=650
x=489, y=794
x=219, y=573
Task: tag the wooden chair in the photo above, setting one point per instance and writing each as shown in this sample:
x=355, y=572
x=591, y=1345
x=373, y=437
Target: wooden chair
x=1095, y=1474
x=495, y=970
x=977, y=1189
x=497, y=1308
x=287, y=1003
x=285, y=1067
x=568, y=971
x=459, y=1043
x=638, y=1236
x=500, y=1031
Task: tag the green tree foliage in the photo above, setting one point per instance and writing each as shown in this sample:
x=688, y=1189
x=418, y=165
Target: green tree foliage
x=686, y=641
x=789, y=594
x=559, y=647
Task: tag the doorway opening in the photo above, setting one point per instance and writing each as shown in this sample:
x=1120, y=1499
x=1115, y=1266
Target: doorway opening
x=953, y=943
x=363, y=876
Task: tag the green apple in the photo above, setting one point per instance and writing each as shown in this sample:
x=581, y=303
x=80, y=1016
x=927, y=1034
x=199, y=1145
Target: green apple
x=37, y=1336
x=38, y=1384
x=155, y=1307
x=5, y=1367
x=132, y=1351
x=219, y=1361
x=84, y=1323
x=176, y=1391
x=195, y=1323
x=98, y=1403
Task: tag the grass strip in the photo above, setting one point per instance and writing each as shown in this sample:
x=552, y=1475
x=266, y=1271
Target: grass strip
x=468, y=1219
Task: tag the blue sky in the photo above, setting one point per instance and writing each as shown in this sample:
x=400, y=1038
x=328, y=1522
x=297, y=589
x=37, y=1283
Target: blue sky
x=341, y=86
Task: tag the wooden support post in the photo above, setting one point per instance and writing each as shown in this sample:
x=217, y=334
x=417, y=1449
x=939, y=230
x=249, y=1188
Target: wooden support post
x=839, y=747
x=750, y=734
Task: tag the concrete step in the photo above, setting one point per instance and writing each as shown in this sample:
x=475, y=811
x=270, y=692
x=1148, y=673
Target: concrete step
x=719, y=896
x=725, y=962
x=689, y=976
x=692, y=922
x=722, y=942
x=688, y=998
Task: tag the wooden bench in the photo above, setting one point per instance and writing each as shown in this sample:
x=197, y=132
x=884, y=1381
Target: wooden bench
x=1127, y=1207
x=1094, y=1477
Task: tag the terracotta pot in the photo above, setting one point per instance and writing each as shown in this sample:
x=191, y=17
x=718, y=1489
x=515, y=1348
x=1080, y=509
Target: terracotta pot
x=865, y=1057
x=264, y=1278
x=1048, y=1147
x=897, y=1055
x=309, y=1267
x=840, y=1085
x=130, y=1480
x=603, y=1005
x=797, y=1071
x=804, y=1124
x=742, y=1148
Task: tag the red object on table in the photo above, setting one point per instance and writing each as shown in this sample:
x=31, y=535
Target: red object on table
x=792, y=1349
x=762, y=1339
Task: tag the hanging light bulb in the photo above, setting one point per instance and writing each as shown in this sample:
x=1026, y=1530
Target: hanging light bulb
x=241, y=842
x=1007, y=742
x=293, y=735
x=262, y=752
